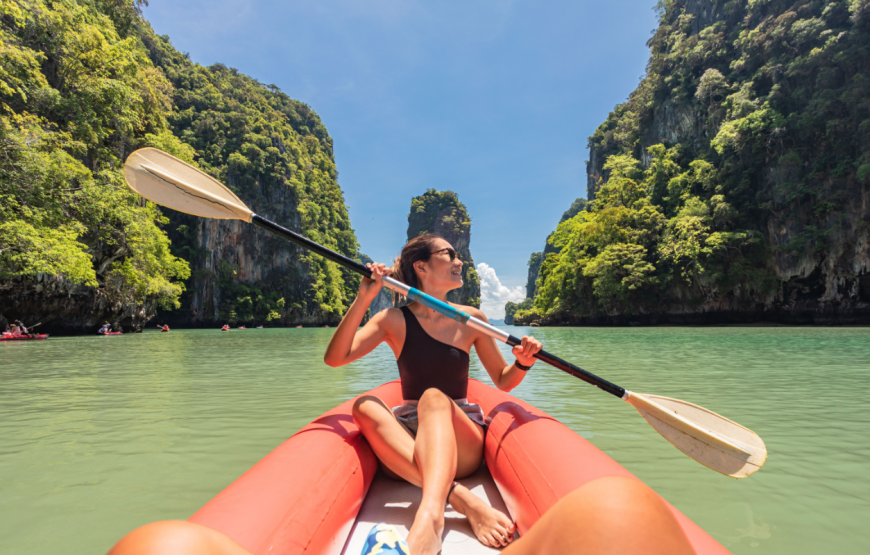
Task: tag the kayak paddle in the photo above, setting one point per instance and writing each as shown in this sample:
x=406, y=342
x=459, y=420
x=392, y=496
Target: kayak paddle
x=710, y=439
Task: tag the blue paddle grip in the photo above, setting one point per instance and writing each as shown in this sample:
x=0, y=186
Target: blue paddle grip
x=435, y=304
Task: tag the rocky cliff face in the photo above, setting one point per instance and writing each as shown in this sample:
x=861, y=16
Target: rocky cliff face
x=276, y=155
x=774, y=97
x=239, y=254
x=64, y=308
x=383, y=301
x=442, y=213
x=535, y=262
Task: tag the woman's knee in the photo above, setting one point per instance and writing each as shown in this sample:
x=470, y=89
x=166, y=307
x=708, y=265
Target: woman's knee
x=434, y=399
x=367, y=407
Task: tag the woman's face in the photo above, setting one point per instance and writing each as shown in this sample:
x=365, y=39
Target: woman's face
x=439, y=272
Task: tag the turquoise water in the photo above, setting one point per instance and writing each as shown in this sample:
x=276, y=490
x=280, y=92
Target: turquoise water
x=103, y=434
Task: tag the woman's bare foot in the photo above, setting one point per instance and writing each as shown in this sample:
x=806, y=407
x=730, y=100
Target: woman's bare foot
x=424, y=538
x=493, y=528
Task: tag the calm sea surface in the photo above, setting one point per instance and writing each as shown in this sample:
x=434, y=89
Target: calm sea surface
x=99, y=435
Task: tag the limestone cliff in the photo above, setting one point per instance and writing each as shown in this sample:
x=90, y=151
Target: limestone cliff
x=383, y=301
x=78, y=248
x=276, y=155
x=77, y=95
x=762, y=185
x=441, y=212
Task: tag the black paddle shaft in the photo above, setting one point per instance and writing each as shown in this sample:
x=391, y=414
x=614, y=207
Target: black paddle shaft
x=307, y=243
x=575, y=371
x=355, y=266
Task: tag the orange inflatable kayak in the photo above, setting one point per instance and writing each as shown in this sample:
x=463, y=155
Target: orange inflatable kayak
x=319, y=493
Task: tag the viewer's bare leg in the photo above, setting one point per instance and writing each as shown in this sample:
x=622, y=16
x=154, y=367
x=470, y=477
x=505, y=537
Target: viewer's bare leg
x=395, y=449
x=607, y=516
x=176, y=537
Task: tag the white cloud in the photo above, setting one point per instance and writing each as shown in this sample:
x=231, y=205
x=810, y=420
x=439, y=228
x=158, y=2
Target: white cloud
x=494, y=295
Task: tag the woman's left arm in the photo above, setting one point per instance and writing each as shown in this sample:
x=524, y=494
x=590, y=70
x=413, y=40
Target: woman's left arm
x=505, y=376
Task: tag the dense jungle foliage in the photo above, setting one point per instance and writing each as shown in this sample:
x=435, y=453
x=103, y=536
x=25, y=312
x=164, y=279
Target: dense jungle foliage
x=537, y=258
x=511, y=308
x=777, y=96
x=76, y=96
x=84, y=83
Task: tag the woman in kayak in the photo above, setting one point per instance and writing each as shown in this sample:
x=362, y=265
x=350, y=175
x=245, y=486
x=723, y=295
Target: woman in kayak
x=436, y=435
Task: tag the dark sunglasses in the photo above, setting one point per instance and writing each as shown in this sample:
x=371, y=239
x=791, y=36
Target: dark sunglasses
x=450, y=252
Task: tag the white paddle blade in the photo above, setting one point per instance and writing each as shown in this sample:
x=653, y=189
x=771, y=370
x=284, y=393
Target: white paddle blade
x=173, y=183
x=710, y=439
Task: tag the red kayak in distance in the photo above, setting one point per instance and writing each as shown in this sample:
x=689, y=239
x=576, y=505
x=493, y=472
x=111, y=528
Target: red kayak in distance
x=111, y=333
x=30, y=337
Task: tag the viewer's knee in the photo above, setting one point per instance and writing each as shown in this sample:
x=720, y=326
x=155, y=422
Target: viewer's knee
x=434, y=399
x=613, y=500
x=624, y=489
x=167, y=537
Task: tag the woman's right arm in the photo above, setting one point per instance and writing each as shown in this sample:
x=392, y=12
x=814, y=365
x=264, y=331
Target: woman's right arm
x=349, y=342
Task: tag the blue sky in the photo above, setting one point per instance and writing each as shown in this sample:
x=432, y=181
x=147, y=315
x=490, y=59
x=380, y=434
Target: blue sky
x=492, y=99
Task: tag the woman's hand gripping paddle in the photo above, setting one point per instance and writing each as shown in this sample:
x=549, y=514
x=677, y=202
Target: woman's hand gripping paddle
x=710, y=439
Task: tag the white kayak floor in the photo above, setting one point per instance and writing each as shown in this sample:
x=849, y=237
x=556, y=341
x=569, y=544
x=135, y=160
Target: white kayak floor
x=396, y=503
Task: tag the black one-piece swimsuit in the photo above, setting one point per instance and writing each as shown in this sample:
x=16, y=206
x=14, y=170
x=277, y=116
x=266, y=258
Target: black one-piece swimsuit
x=426, y=363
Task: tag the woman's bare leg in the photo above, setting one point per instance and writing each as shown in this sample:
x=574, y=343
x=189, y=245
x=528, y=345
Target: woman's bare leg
x=396, y=450
x=435, y=454
x=176, y=537
x=607, y=516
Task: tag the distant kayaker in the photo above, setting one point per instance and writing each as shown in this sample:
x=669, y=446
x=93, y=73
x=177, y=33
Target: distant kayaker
x=21, y=327
x=436, y=435
x=106, y=328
